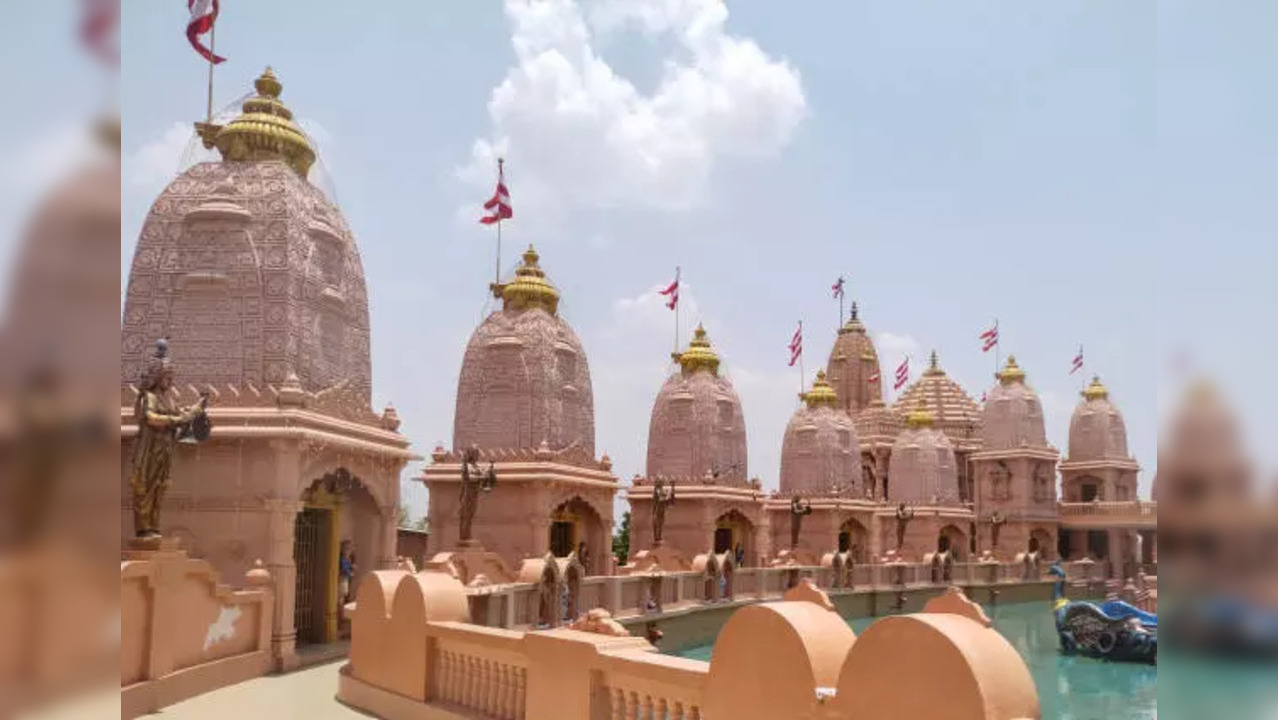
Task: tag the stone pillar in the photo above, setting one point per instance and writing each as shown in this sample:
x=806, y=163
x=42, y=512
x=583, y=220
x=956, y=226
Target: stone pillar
x=1117, y=554
x=386, y=559
x=279, y=563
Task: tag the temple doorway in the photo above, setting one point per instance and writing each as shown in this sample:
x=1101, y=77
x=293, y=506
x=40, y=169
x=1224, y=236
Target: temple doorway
x=336, y=538
x=853, y=540
x=575, y=527
x=734, y=534
x=563, y=538
x=722, y=540
x=952, y=540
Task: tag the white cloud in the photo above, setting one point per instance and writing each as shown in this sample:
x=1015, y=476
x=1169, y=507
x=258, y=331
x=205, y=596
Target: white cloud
x=578, y=134
x=159, y=161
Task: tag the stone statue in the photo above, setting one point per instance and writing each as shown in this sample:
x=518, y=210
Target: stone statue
x=160, y=425
x=662, y=495
x=798, y=508
x=474, y=481
x=997, y=521
x=904, y=514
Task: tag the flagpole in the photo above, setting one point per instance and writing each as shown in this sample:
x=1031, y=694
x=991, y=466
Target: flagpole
x=801, y=376
x=212, y=43
x=678, y=282
x=501, y=179
x=998, y=347
x=840, y=307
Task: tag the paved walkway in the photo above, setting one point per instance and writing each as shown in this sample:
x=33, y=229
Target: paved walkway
x=304, y=695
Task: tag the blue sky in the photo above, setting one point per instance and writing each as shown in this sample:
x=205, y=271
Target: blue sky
x=1086, y=172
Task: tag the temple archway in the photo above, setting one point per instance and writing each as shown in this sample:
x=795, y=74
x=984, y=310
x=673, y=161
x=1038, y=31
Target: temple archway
x=576, y=527
x=854, y=540
x=953, y=540
x=337, y=538
x=734, y=534
x=1041, y=542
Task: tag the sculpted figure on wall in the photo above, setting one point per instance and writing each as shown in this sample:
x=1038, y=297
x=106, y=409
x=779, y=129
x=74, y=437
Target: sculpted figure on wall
x=161, y=425
x=662, y=496
x=904, y=514
x=474, y=481
x=798, y=508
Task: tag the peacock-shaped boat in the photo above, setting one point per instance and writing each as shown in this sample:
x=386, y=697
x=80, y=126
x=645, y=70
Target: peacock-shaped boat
x=1114, y=631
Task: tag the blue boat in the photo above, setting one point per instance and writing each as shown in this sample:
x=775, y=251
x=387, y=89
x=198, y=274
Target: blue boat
x=1114, y=631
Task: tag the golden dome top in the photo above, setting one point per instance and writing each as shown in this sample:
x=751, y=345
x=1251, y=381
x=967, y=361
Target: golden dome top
x=821, y=393
x=699, y=354
x=1011, y=372
x=920, y=416
x=264, y=130
x=854, y=323
x=530, y=288
x=1096, y=391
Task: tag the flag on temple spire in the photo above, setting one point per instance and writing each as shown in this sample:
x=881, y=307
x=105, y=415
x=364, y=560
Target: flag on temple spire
x=203, y=18
x=873, y=377
x=498, y=206
x=796, y=345
x=1078, y=361
x=989, y=338
x=98, y=27
x=983, y=396
x=672, y=292
x=902, y=374
x=837, y=288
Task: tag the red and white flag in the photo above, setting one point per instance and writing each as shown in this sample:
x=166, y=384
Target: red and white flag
x=983, y=396
x=837, y=288
x=672, y=292
x=902, y=374
x=98, y=28
x=989, y=338
x=796, y=345
x=874, y=377
x=498, y=206
x=1078, y=361
x=203, y=16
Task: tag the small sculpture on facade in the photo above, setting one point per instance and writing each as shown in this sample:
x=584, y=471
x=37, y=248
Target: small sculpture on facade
x=662, y=496
x=160, y=426
x=474, y=481
x=798, y=508
x=997, y=521
x=904, y=514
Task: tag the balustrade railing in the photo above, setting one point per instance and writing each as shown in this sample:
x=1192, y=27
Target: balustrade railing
x=480, y=678
x=1124, y=508
x=652, y=687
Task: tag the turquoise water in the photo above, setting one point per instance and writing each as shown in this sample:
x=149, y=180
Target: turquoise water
x=1069, y=688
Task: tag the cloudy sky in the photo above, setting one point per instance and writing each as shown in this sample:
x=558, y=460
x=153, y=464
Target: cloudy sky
x=1086, y=172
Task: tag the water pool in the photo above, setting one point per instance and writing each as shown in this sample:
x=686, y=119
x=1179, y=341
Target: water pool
x=1069, y=688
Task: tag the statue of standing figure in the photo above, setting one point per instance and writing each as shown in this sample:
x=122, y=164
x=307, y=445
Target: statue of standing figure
x=474, y=481
x=161, y=425
x=662, y=496
x=904, y=514
x=798, y=508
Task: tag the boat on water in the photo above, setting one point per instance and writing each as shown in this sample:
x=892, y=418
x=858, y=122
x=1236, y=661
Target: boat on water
x=1115, y=631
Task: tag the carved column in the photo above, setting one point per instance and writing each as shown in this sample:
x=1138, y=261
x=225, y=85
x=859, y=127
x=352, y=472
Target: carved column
x=386, y=555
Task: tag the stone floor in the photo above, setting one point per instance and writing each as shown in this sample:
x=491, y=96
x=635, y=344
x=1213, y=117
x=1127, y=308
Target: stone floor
x=305, y=694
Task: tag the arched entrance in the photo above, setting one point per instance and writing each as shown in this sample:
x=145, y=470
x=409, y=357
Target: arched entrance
x=734, y=534
x=1040, y=541
x=952, y=540
x=854, y=540
x=335, y=541
x=575, y=527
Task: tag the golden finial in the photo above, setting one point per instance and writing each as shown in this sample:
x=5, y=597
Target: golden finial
x=264, y=130
x=933, y=365
x=699, y=354
x=1096, y=391
x=530, y=288
x=1011, y=372
x=821, y=393
x=920, y=416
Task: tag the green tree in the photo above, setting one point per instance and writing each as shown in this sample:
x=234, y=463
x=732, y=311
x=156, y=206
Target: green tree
x=405, y=517
x=621, y=539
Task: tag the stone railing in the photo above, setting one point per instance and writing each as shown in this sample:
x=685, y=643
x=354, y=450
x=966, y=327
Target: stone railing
x=413, y=655
x=183, y=634
x=519, y=605
x=1120, y=508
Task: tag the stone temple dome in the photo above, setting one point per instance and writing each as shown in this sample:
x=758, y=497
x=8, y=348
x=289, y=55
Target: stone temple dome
x=955, y=413
x=697, y=429
x=524, y=378
x=248, y=269
x=924, y=470
x=1096, y=429
x=854, y=366
x=1201, y=456
x=820, y=454
x=1013, y=414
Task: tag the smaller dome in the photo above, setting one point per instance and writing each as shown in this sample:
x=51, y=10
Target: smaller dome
x=820, y=452
x=953, y=411
x=923, y=467
x=1096, y=429
x=1012, y=417
x=854, y=366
